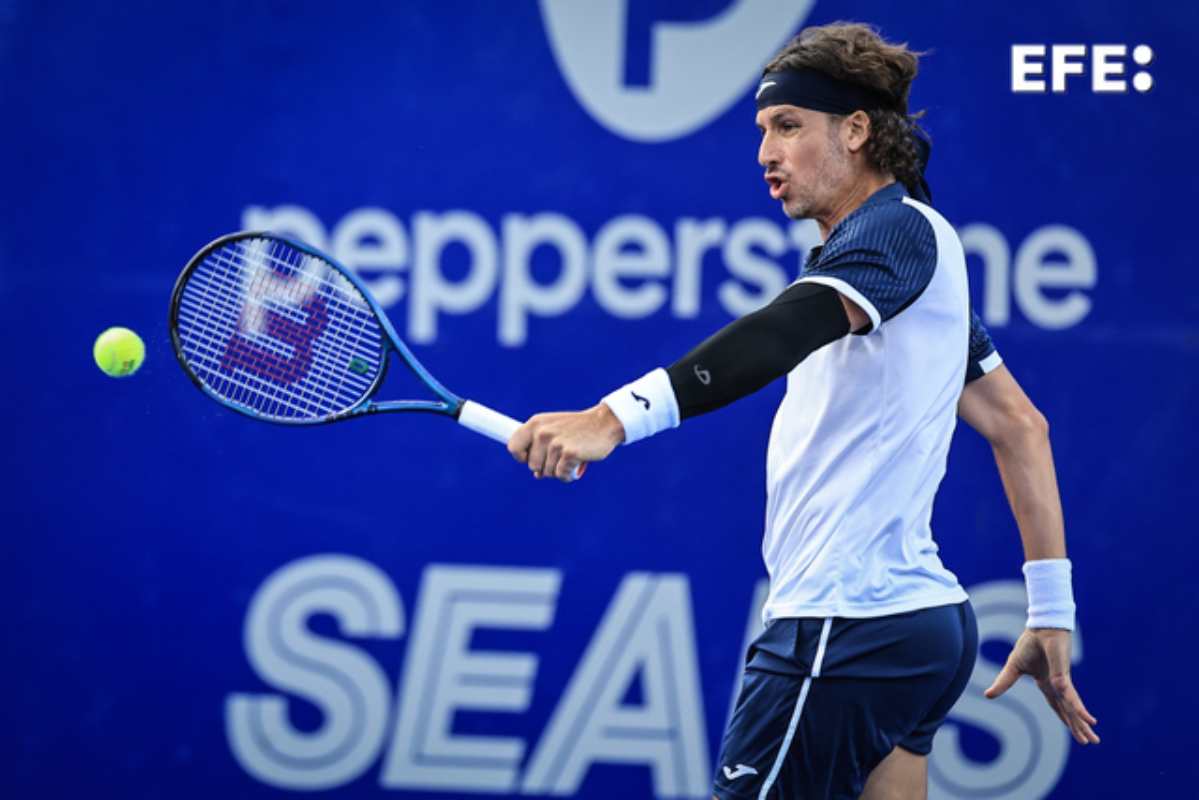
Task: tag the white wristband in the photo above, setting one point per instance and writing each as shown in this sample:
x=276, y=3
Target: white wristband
x=1050, y=594
x=645, y=406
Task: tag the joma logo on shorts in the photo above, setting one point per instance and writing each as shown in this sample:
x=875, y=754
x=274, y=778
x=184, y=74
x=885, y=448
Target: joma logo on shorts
x=739, y=771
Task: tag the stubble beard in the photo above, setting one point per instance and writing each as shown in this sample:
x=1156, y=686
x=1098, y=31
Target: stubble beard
x=817, y=197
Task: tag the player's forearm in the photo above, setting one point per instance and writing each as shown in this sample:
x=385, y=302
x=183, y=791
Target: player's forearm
x=1025, y=460
x=996, y=406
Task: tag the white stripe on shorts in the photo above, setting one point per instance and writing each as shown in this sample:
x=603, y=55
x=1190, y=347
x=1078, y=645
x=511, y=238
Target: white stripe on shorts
x=803, y=695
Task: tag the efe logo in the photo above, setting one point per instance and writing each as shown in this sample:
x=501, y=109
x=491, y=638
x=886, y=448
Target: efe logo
x=1106, y=63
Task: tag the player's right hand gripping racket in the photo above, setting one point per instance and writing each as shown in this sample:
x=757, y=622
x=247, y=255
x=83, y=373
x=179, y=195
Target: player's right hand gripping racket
x=279, y=331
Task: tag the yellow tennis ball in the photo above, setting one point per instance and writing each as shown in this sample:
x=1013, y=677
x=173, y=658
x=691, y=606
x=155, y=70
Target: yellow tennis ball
x=119, y=352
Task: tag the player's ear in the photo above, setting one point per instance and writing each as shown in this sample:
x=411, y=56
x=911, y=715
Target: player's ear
x=855, y=130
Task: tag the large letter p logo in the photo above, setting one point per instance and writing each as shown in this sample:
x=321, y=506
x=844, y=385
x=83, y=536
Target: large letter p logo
x=696, y=69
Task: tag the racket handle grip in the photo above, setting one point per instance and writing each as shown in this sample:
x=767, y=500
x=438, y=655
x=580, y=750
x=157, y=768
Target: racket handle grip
x=494, y=425
x=487, y=421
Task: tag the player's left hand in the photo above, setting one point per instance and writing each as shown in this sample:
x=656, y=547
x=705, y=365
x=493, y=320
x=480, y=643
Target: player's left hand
x=1044, y=655
x=553, y=445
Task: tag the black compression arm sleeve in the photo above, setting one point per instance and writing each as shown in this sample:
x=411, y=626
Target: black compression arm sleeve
x=751, y=352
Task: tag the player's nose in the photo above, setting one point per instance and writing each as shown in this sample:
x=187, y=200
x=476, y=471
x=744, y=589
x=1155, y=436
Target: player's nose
x=768, y=155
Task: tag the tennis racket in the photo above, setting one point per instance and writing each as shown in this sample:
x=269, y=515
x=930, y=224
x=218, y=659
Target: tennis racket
x=279, y=331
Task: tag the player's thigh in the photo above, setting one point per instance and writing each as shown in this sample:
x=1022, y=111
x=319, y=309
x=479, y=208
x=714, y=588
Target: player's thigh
x=885, y=682
x=848, y=728
x=902, y=775
x=814, y=721
x=815, y=737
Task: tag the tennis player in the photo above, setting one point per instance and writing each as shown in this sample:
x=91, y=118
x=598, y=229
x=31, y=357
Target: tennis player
x=869, y=639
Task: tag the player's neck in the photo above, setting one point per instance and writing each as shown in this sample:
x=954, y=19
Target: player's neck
x=866, y=184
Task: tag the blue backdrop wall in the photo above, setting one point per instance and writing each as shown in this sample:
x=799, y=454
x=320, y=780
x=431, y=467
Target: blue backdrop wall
x=550, y=199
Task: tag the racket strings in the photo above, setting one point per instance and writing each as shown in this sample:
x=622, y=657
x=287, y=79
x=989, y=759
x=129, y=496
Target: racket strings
x=209, y=356
x=213, y=351
x=232, y=295
x=345, y=297
x=273, y=373
x=265, y=321
x=278, y=331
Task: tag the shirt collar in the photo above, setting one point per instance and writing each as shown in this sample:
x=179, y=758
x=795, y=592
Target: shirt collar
x=892, y=191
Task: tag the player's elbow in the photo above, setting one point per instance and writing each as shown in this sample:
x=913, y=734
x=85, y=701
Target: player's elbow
x=1020, y=424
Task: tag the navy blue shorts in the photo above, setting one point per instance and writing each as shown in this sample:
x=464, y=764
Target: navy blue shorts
x=823, y=701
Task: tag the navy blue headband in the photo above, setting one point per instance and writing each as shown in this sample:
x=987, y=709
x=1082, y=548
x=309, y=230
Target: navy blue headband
x=809, y=88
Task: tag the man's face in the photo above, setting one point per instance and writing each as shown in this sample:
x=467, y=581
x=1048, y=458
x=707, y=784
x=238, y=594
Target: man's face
x=806, y=163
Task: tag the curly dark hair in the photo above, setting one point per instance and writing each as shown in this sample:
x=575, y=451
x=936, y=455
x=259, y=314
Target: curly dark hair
x=854, y=52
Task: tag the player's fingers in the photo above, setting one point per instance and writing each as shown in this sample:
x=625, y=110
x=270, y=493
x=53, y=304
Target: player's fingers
x=518, y=445
x=560, y=462
x=1069, y=706
x=1061, y=713
x=1083, y=712
x=1083, y=733
x=1003, y=681
x=553, y=456
x=570, y=469
x=1082, y=719
x=1058, y=702
x=567, y=464
x=537, y=451
x=1065, y=689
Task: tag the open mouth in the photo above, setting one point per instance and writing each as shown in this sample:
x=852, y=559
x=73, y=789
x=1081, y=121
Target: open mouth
x=777, y=186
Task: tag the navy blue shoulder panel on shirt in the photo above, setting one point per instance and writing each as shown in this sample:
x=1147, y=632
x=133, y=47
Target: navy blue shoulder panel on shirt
x=981, y=348
x=884, y=253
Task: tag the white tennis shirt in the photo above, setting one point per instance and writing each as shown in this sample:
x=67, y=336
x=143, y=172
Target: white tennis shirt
x=859, y=443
